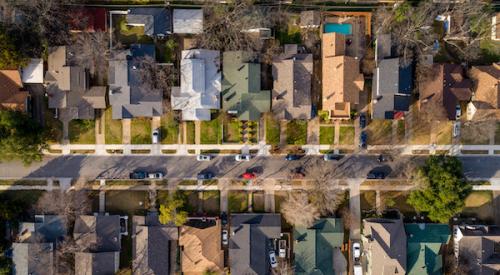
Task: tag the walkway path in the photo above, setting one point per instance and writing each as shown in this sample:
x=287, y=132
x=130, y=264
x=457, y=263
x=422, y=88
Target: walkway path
x=283, y=125
x=197, y=132
x=336, y=137
x=126, y=136
x=355, y=209
x=313, y=131
x=100, y=121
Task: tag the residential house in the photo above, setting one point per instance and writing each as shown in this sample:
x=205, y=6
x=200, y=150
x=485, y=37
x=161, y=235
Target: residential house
x=485, y=103
x=241, y=90
x=33, y=72
x=384, y=242
x=478, y=247
x=200, y=84
x=88, y=19
x=292, y=73
x=201, y=250
x=155, y=21
x=342, y=82
x=310, y=19
x=128, y=95
x=99, y=237
x=443, y=90
x=188, y=21
x=12, y=94
x=152, y=245
x=391, y=89
x=33, y=251
x=383, y=46
x=317, y=249
x=68, y=87
x=495, y=27
x=250, y=241
x=425, y=247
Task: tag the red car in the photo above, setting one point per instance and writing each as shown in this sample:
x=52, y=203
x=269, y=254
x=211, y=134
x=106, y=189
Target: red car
x=248, y=176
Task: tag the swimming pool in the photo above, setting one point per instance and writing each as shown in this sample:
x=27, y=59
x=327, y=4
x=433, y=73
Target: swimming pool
x=340, y=28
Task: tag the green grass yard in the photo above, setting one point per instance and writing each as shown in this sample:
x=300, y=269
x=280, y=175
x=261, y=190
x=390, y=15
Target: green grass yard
x=211, y=131
x=237, y=201
x=232, y=131
x=169, y=129
x=140, y=131
x=82, y=131
x=326, y=135
x=272, y=130
x=129, y=34
x=113, y=128
x=296, y=132
x=190, y=132
x=346, y=135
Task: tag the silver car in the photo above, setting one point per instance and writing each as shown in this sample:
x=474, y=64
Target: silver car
x=203, y=157
x=242, y=157
x=224, y=237
x=272, y=259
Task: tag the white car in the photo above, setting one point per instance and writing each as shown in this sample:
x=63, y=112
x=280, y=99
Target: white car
x=242, y=157
x=156, y=136
x=356, y=251
x=456, y=129
x=272, y=259
x=155, y=175
x=358, y=270
x=224, y=237
x=282, y=248
x=203, y=157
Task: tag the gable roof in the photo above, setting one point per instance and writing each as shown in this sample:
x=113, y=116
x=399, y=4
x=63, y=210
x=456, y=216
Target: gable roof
x=249, y=242
x=486, y=96
x=200, y=84
x=314, y=247
x=98, y=233
x=12, y=95
x=96, y=263
x=241, y=90
x=476, y=245
x=33, y=72
x=188, y=21
x=32, y=258
x=201, y=247
x=385, y=241
x=292, y=73
x=47, y=228
x=156, y=21
x=424, y=247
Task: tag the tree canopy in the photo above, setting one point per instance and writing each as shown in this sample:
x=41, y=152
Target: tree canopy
x=443, y=188
x=10, y=55
x=170, y=211
x=20, y=137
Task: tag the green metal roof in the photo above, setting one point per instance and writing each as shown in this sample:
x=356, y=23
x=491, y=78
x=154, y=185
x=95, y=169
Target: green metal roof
x=241, y=90
x=313, y=248
x=424, y=247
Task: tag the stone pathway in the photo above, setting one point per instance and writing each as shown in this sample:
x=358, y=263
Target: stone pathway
x=65, y=134
x=100, y=122
x=313, y=131
x=336, y=137
x=126, y=136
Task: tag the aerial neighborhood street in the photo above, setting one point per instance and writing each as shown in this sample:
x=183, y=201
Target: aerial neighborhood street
x=249, y=137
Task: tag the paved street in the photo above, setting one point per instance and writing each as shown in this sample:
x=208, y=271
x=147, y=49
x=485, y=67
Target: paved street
x=275, y=167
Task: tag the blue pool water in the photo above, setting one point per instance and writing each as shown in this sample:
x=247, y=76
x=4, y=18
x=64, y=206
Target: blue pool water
x=340, y=28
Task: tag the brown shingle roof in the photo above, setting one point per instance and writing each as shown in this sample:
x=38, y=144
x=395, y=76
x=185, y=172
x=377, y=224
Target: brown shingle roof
x=11, y=94
x=486, y=97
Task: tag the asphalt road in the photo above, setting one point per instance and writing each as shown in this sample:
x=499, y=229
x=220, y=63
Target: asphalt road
x=351, y=166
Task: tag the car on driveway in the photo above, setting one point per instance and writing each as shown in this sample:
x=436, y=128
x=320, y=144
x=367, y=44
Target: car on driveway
x=242, y=157
x=272, y=259
x=376, y=175
x=292, y=157
x=225, y=237
x=155, y=175
x=329, y=157
x=223, y=218
x=362, y=121
x=138, y=175
x=156, y=136
x=248, y=175
x=203, y=157
x=205, y=175
x=356, y=251
x=363, y=138
x=282, y=248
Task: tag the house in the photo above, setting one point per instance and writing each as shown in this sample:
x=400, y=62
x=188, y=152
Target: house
x=391, y=89
x=485, y=103
x=12, y=94
x=383, y=46
x=33, y=72
x=384, y=242
x=155, y=21
x=250, y=241
x=128, y=95
x=34, y=248
x=478, y=247
x=200, y=84
x=443, y=90
x=310, y=19
x=425, y=247
x=292, y=73
x=200, y=242
x=68, y=86
x=188, y=21
x=317, y=248
x=342, y=82
x=152, y=242
x=495, y=27
x=241, y=91
x=99, y=237
x=88, y=19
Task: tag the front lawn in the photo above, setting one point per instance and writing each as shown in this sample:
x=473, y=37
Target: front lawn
x=444, y=133
x=258, y=202
x=480, y=204
x=232, y=130
x=169, y=129
x=113, y=128
x=237, y=201
x=326, y=135
x=379, y=132
x=346, y=135
x=421, y=132
x=211, y=202
x=53, y=127
x=400, y=132
x=130, y=202
x=272, y=130
x=211, y=130
x=367, y=202
x=497, y=134
x=190, y=132
x=296, y=132
x=140, y=131
x=474, y=133
x=82, y=131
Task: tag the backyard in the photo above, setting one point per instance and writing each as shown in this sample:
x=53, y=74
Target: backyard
x=296, y=132
x=211, y=130
x=82, y=131
x=113, y=128
x=128, y=34
x=169, y=129
x=272, y=130
x=326, y=134
x=140, y=131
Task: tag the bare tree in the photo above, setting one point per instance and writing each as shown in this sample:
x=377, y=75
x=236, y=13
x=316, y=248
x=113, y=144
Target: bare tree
x=299, y=211
x=68, y=205
x=326, y=193
x=91, y=51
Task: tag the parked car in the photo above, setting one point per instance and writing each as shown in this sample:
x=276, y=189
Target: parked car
x=376, y=175
x=458, y=111
x=282, y=248
x=363, y=138
x=356, y=251
x=223, y=218
x=155, y=175
x=328, y=157
x=384, y=158
x=242, y=157
x=156, y=136
x=138, y=175
x=456, y=129
x=272, y=259
x=205, y=175
x=225, y=237
x=358, y=270
x=203, y=157
x=248, y=175
x=292, y=157
x=362, y=121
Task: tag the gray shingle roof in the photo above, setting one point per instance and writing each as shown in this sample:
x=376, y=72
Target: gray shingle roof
x=188, y=21
x=97, y=263
x=33, y=258
x=99, y=233
x=156, y=20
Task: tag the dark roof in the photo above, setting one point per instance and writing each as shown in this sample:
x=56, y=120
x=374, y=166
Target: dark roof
x=98, y=233
x=162, y=18
x=250, y=240
x=402, y=103
x=456, y=88
x=406, y=80
x=100, y=263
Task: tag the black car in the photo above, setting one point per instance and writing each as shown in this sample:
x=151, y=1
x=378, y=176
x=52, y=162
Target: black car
x=223, y=218
x=205, y=175
x=328, y=157
x=363, y=138
x=362, y=121
x=376, y=175
x=138, y=175
x=292, y=157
